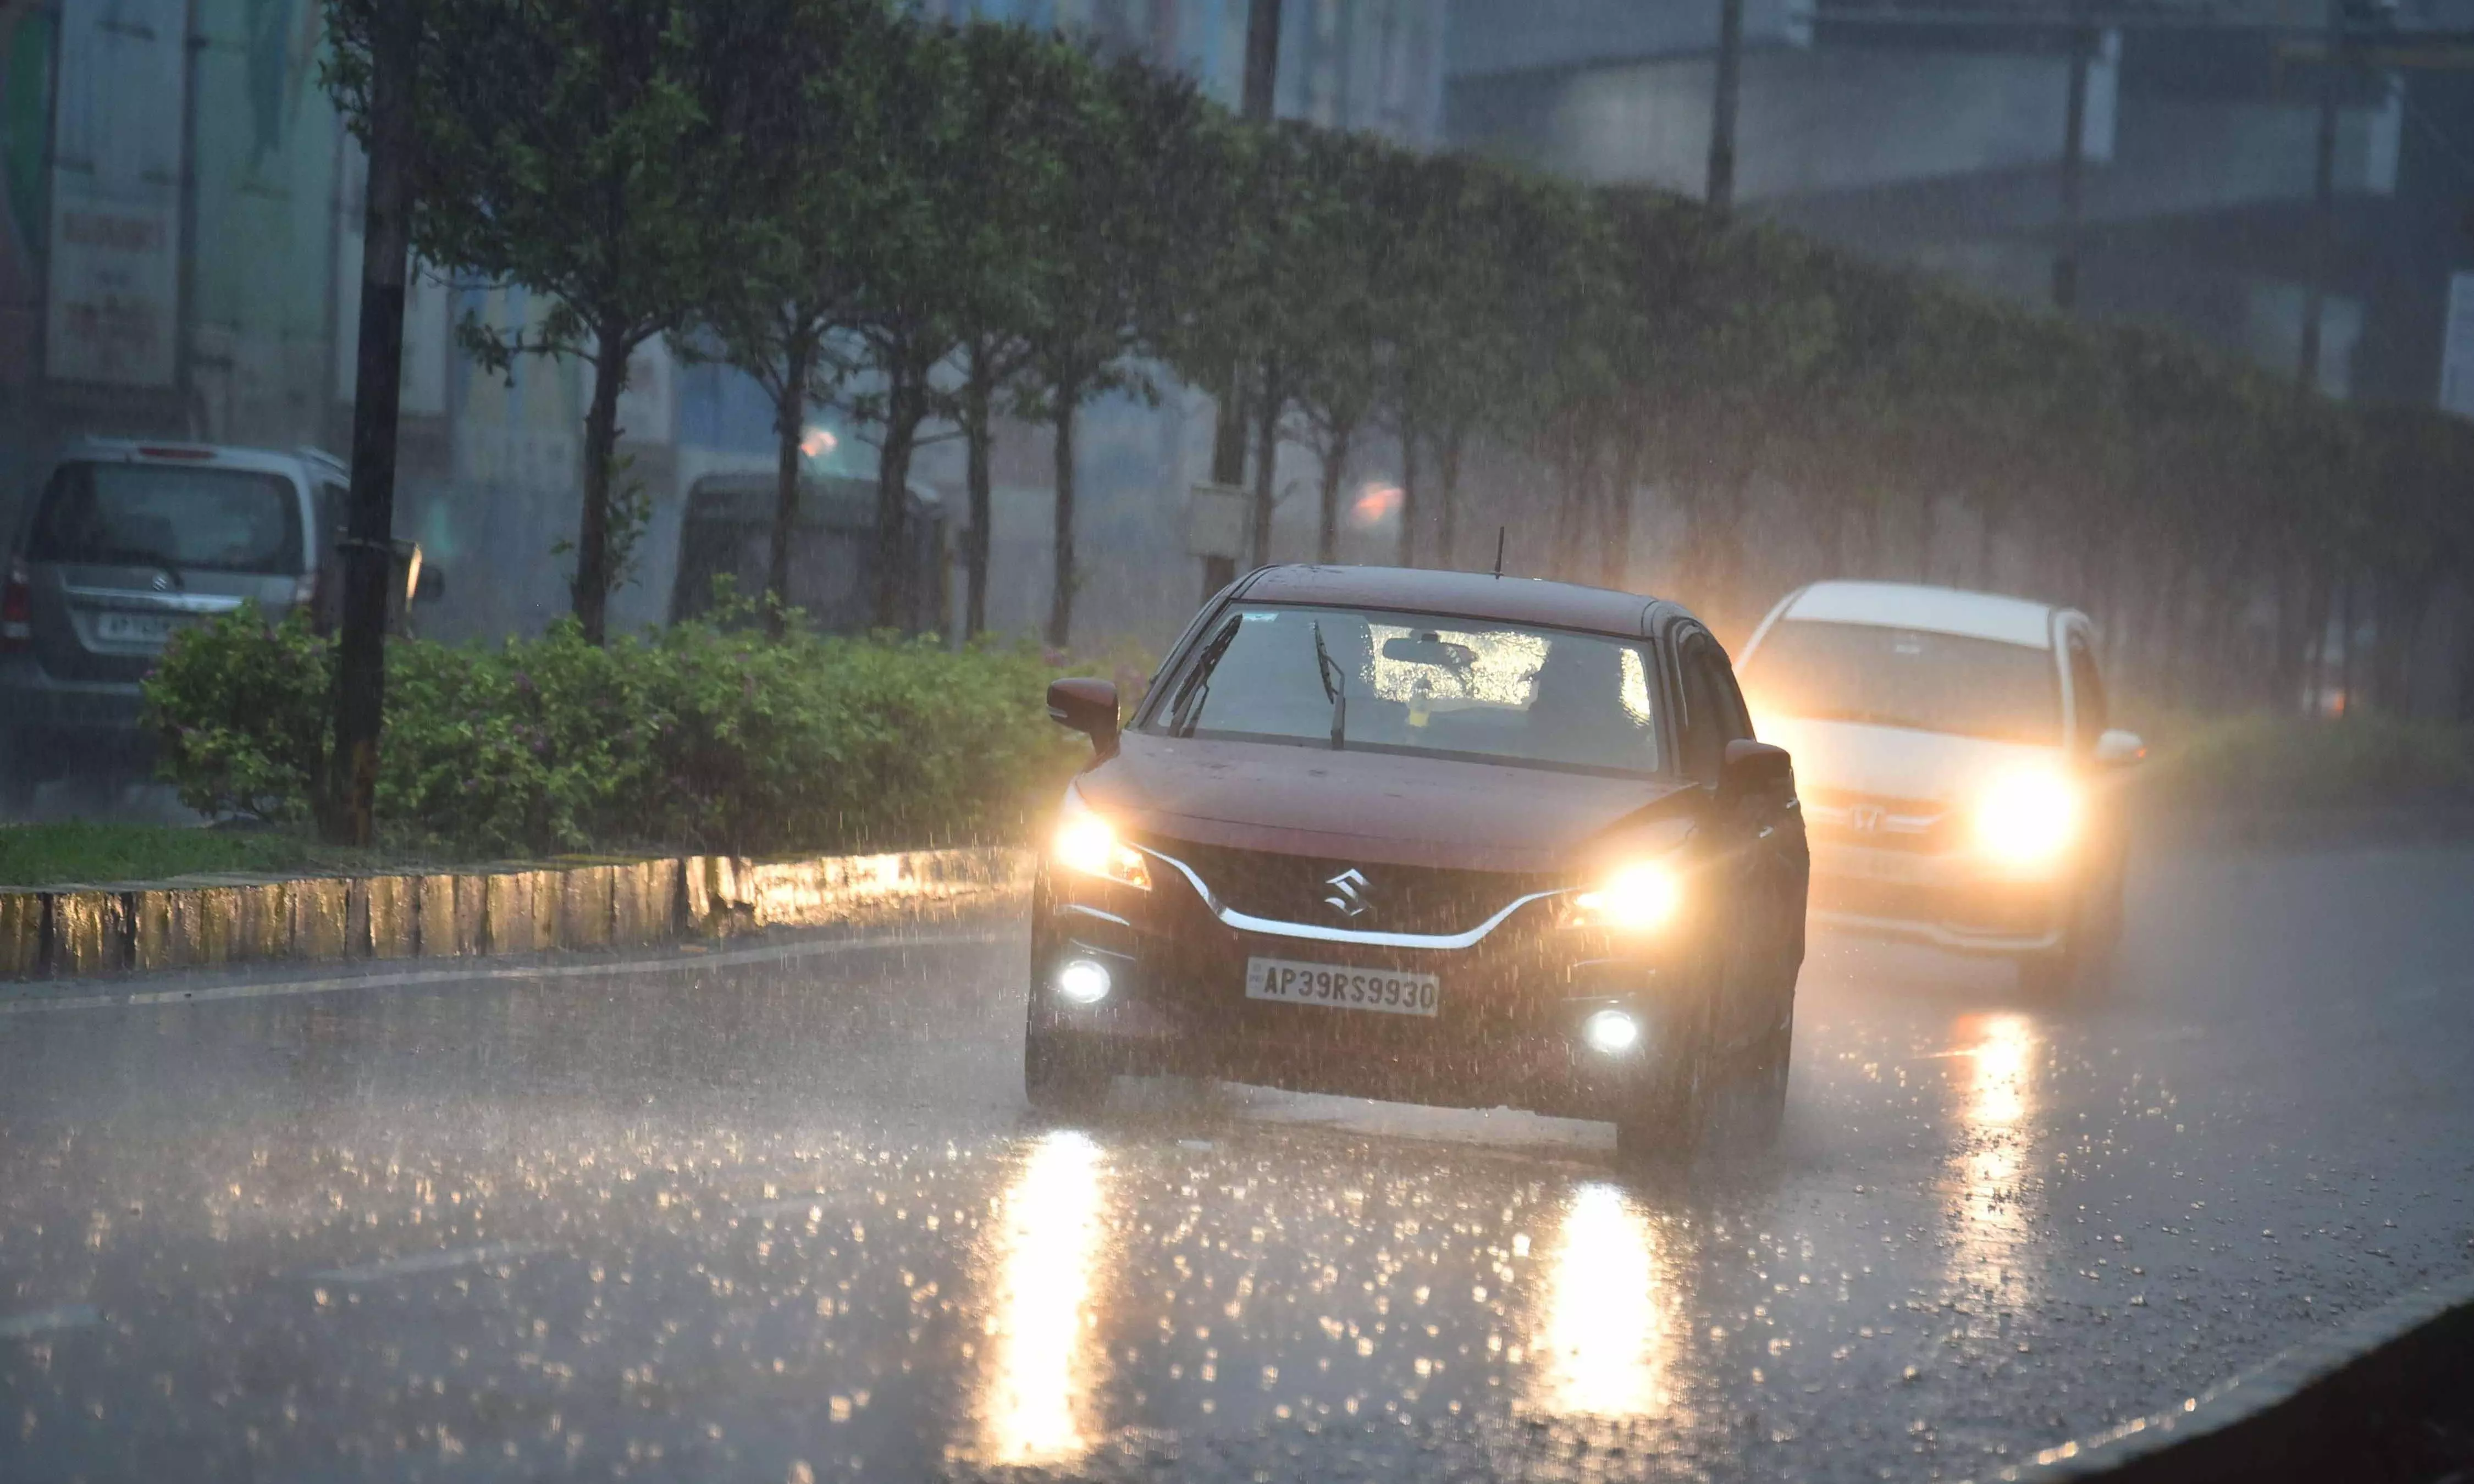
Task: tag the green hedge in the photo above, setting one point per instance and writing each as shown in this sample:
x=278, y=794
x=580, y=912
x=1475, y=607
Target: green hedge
x=2277, y=763
x=701, y=737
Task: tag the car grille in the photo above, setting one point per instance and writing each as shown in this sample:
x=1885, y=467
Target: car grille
x=1388, y=898
x=1878, y=823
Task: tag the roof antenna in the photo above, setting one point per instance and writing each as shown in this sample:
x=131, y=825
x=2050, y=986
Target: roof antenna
x=1499, y=551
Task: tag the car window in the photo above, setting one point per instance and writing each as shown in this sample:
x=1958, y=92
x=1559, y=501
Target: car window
x=335, y=506
x=1423, y=684
x=2086, y=694
x=1910, y=678
x=1714, y=711
x=144, y=514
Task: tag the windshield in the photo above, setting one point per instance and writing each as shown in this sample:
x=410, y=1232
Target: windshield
x=1418, y=683
x=1910, y=678
x=151, y=514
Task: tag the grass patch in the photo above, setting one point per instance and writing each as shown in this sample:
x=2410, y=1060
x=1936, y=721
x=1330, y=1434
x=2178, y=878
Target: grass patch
x=75, y=851
x=2291, y=763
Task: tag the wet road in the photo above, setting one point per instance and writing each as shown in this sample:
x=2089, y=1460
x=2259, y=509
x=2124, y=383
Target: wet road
x=768, y=1217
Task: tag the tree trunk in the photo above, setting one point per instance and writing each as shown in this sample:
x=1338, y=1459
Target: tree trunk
x=1614, y=559
x=979, y=393
x=2349, y=627
x=368, y=551
x=1267, y=455
x=2315, y=659
x=1448, y=506
x=610, y=352
x=1408, y=553
x=904, y=409
x=1335, y=464
x=790, y=425
x=1060, y=594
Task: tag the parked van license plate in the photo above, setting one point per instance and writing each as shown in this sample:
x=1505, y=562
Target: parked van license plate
x=135, y=627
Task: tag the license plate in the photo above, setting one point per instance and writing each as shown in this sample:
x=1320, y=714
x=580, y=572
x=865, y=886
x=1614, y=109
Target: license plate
x=1341, y=988
x=134, y=628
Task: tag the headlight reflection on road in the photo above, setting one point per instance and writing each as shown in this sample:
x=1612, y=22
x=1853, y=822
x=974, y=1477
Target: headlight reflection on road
x=1996, y=1056
x=1044, y=1357
x=1600, y=1347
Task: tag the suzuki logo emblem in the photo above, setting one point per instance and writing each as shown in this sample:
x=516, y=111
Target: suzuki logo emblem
x=1864, y=818
x=162, y=582
x=1351, y=893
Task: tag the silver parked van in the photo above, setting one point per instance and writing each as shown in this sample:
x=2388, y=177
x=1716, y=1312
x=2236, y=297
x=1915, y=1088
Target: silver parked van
x=122, y=545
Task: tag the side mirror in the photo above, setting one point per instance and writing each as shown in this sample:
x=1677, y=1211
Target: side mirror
x=430, y=586
x=1087, y=705
x=1755, y=770
x=2117, y=749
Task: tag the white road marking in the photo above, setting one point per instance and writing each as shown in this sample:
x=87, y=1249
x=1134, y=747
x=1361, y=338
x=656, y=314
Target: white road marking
x=668, y=964
x=431, y=1262
x=42, y=1321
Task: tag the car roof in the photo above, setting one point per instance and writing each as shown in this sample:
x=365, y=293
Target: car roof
x=1980, y=615
x=1521, y=600
x=171, y=450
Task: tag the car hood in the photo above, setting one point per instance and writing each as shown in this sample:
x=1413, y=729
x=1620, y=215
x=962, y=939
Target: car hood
x=1368, y=805
x=1896, y=762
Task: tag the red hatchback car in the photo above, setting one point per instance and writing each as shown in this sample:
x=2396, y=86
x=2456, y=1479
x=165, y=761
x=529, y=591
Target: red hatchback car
x=1437, y=836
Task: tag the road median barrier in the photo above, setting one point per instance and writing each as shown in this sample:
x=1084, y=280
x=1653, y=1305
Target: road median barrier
x=79, y=930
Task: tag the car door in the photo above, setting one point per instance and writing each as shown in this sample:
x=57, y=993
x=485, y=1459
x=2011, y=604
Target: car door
x=1763, y=847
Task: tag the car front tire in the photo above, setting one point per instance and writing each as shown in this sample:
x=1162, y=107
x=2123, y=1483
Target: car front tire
x=1063, y=1073
x=2081, y=964
x=1664, y=1124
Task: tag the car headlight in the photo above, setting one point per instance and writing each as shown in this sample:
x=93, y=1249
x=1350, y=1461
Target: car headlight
x=1635, y=898
x=2028, y=816
x=1088, y=844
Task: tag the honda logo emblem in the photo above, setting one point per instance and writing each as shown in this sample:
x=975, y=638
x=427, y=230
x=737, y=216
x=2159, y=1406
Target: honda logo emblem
x=1864, y=818
x=1351, y=893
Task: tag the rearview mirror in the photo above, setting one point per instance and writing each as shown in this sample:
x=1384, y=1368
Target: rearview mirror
x=1087, y=705
x=2116, y=748
x=1428, y=648
x=1755, y=770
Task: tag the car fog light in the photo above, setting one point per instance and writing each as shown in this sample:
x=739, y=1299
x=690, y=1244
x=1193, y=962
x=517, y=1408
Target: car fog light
x=1083, y=981
x=1611, y=1031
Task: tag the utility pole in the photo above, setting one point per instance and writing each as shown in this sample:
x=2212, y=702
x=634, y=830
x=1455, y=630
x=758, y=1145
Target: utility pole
x=1228, y=443
x=2323, y=200
x=1721, y=192
x=2066, y=263
x=368, y=547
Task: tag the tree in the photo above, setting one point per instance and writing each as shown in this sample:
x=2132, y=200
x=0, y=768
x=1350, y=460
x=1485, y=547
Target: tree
x=574, y=147
x=1030, y=94
x=1334, y=257
x=1446, y=328
x=807, y=150
x=1142, y=187
x=911, y=270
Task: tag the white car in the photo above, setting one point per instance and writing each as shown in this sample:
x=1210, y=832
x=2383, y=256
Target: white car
x=1956, y=766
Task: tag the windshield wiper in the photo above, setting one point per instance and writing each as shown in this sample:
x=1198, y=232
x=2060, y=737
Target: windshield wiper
x=1185, y=711
x=1335, y=689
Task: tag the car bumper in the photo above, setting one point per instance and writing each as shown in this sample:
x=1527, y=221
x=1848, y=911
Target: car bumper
x=1949, y=901
x=43, y=709
x=1508, y=1029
